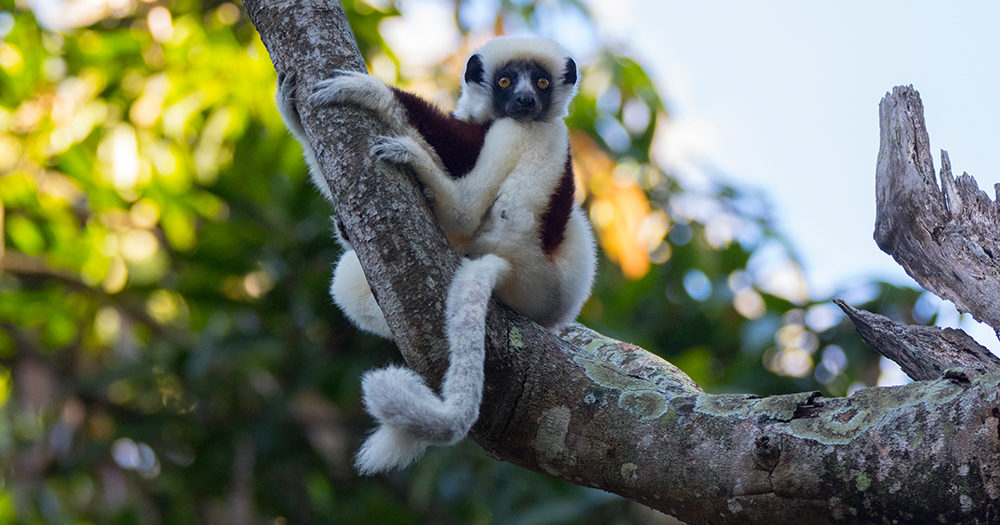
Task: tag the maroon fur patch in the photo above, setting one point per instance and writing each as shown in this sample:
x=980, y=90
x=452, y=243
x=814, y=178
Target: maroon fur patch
x=456, y=142
x=552, y=228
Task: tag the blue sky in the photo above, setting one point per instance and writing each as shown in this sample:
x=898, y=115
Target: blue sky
x=784, y=96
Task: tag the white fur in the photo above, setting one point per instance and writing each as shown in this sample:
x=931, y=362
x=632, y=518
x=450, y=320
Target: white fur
x=492, y=213
x=496, y=209
x=409, y=414
x=352, y=294
x=475, y=102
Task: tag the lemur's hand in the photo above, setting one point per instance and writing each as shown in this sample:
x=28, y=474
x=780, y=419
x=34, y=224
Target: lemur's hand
x=397, y=150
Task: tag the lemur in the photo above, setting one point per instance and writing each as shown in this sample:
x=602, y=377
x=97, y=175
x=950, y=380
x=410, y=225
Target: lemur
x=499, y=174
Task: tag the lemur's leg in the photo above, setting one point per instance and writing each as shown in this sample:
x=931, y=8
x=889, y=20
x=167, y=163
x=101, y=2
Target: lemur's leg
x=363, y=90
x=352, y=294
x=410, y=415
x=349, y=288
x=458, y=205
x=285, y=99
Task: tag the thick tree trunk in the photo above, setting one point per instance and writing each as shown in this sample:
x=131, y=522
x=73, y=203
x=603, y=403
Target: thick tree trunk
x=606, y=414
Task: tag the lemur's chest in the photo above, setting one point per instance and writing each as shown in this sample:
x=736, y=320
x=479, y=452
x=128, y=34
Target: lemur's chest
x=534, y=199
x=527, y=158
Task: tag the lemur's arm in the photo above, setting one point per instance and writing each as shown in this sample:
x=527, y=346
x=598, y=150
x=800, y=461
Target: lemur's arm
x=459, y=204
x=461, y=198
x=363, y=90
x=449, y=202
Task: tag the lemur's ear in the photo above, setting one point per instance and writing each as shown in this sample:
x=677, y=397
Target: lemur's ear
x=474, y=72
x=569, y=74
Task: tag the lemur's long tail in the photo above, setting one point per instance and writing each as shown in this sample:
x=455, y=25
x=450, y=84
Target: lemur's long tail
x=410, y=415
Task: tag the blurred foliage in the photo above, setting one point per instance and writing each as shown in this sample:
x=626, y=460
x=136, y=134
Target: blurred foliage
x=168, y=351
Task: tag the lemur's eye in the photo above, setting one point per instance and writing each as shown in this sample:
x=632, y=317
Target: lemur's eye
x=542, y=83
x=504, y=82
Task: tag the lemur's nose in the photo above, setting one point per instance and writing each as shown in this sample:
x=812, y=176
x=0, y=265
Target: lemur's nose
x=525, y=101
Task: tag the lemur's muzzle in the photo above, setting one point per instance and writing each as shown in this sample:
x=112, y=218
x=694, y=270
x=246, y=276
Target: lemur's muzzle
x=523, y=106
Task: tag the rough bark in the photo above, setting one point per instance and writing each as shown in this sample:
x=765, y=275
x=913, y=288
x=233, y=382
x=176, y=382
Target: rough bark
x=383, y=213
x=923, y=352
x=606, y=414
x=946, y=238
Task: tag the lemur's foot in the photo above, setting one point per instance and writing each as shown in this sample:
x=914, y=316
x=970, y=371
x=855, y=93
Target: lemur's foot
x=285, y=99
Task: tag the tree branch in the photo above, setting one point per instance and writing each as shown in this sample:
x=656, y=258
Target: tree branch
x=401, y=248
x=945, y=239
x=606, y=414
x=924, y=352
x=948, y=239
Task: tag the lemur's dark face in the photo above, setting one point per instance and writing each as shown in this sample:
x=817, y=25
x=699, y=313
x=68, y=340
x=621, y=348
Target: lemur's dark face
x=521, y=89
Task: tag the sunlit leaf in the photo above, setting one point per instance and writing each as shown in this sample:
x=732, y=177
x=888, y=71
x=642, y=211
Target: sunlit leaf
x=25, y=234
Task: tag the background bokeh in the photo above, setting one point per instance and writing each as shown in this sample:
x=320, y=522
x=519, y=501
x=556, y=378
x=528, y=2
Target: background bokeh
x=168, y=350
